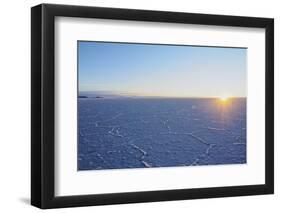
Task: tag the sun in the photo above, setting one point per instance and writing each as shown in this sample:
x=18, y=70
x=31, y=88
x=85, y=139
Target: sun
x=223, y=98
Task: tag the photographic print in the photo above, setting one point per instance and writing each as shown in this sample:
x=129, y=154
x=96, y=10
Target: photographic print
x=132, y=106
x=159, y=105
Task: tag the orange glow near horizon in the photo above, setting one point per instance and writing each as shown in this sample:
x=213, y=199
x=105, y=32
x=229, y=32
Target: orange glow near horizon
x=224, y=100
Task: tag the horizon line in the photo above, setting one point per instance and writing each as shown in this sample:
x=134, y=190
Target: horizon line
x=160, y=96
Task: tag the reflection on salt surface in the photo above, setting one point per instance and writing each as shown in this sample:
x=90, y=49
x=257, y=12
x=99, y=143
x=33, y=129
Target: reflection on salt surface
x=116, y=133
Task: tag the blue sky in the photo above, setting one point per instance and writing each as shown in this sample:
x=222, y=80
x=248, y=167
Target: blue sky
x=162, y=70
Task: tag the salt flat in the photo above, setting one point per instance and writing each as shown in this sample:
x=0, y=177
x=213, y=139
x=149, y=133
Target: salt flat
x=116, y=133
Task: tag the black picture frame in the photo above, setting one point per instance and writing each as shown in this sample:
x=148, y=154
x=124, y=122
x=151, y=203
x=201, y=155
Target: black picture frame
x=43, y=102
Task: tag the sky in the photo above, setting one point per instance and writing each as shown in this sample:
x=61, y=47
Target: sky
x=162, y=70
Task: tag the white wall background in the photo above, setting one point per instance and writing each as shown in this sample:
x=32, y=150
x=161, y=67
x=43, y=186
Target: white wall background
x=15, y=105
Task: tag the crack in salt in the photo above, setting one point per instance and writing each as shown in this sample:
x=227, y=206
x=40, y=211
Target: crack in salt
x=110, y=119
x=116, y=132
x=114, y=117
x=237, y=138
x=198, y=138
x=238, y=143
x=209, y=148
x=195, y=162
x=207, y=153
x=146, y=164
x=218, y=129
x=143, y=121
x=144, y=154
x=165, y=123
